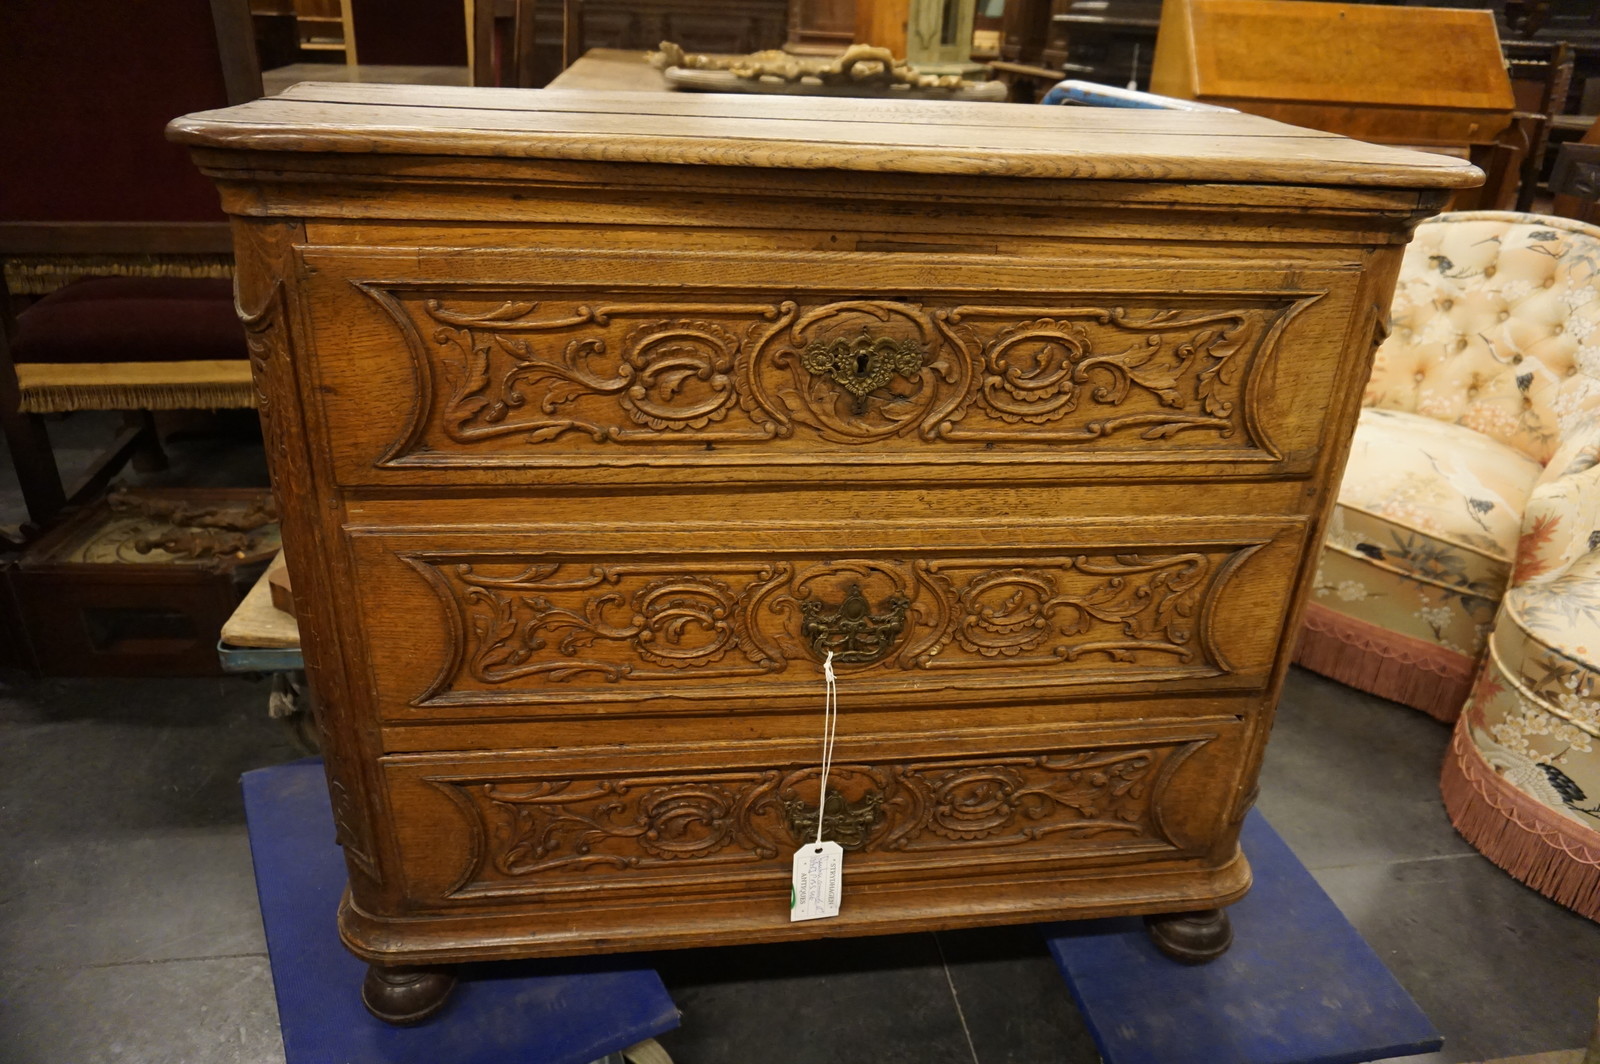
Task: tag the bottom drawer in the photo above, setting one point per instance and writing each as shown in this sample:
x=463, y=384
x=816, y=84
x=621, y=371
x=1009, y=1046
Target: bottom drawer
x=583, y=838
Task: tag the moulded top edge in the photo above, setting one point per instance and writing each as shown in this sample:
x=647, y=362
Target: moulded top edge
x=907, y=136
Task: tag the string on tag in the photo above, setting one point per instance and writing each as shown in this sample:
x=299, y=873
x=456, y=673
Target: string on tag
x=816, y=883
x=830, y=727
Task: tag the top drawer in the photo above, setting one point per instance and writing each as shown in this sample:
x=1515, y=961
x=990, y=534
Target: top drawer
x=509, y=366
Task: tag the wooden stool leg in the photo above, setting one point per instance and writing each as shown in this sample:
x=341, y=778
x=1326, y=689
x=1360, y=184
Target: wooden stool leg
x=148, y=455
x=35, y=462
x=37, y=473
x=406, y=995
x=1193, y=938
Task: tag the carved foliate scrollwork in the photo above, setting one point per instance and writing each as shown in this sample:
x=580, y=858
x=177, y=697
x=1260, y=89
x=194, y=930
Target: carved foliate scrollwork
x=555, y=830
x=600, y=622
x=515, y=370
x=265, y=344
x=1007, y=612
x=1014, y=802
x=1041, y=371
x=559, y=622
x=153, y=527
x=518, y=376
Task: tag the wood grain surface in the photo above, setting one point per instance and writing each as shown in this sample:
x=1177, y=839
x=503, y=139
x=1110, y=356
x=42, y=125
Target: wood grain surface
x=730, y=130
x=611, y=70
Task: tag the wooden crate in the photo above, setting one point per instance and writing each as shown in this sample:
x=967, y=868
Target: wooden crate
x=141, y=583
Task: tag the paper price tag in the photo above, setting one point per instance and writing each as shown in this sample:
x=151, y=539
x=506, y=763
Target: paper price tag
x=818, y=881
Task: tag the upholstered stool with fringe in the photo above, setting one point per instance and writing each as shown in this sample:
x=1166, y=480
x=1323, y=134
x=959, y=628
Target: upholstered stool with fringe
x=140, y=342
x=132, y=343
x=114, y=228
x=1458, y=483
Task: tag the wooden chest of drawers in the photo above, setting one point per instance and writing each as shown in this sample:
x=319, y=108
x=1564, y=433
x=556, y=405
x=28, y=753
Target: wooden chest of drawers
x=598, y=420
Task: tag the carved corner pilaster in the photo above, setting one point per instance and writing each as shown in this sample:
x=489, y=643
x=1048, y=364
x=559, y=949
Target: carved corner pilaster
x=262, y=297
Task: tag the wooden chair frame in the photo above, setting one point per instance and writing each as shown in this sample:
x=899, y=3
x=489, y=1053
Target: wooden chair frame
x=140, y=243
x=1556, y=62
x=43, y=491
x=574, y=41
x=517, y=68
x=1575, y=182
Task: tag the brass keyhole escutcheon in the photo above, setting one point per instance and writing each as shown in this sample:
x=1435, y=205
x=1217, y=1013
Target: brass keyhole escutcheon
x=863, y=364
x=851, y=630
x=845, y=822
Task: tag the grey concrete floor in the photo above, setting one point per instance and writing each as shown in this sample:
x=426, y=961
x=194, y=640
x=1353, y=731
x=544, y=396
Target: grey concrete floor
x=129, y=929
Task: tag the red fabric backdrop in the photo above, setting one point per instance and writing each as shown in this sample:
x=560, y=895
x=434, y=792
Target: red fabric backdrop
x=86, y=88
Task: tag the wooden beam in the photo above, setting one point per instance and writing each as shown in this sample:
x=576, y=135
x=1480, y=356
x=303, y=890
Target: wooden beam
x=115, y=238
x=31, y=454
x=236, y=46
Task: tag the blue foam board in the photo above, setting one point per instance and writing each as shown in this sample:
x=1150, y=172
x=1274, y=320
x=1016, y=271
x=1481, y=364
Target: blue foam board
x=1299, y=985
x=571, y=1011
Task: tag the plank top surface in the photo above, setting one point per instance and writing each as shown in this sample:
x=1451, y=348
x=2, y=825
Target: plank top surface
x=611, y=70
x=257, y=622
x=909, y=136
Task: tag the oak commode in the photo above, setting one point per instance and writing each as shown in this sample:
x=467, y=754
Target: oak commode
x=597, y=420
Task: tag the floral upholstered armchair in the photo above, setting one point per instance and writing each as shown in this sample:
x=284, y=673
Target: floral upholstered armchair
x=1461, y=571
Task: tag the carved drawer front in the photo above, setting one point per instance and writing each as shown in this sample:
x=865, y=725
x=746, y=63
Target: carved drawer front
x=582, y=826
x=537, y=367
x=586, y=620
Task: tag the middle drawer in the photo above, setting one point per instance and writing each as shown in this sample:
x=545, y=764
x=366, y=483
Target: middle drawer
x=570, y=621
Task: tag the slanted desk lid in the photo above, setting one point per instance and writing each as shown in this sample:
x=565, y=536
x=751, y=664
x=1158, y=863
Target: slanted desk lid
x=1331, y=54
x=908, y=136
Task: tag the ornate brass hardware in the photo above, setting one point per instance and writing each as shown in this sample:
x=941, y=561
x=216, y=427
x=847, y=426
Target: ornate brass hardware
x=863, y=364
x=853, y=632
x=848, y=825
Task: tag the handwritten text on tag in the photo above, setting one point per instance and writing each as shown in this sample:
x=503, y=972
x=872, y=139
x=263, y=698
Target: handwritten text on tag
x=818, y=878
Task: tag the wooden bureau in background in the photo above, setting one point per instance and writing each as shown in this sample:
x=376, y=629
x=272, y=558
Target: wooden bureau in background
x=597, y=420
x=1430, y=78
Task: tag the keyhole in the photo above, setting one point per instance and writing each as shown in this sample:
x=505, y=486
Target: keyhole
x=861, y=365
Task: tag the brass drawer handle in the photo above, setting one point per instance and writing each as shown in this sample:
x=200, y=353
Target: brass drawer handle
x=843, y=822
x=852, y=631
x=863, y=364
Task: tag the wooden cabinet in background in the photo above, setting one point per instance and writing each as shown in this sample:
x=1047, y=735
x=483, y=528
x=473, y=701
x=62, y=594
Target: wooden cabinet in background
x=1421, y=77
x=822, y=27
x=929, y=34
x=323, y=26
x=1056, y=37
x=596, y=431
x=1107, y=41
x=1023, y=29
x=698, y=25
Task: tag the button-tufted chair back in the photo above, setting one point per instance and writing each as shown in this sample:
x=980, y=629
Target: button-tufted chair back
x=1495, y=326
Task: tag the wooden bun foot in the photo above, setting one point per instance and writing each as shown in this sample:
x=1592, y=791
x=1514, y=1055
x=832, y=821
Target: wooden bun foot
x=403, y=996
x=1193, y=938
